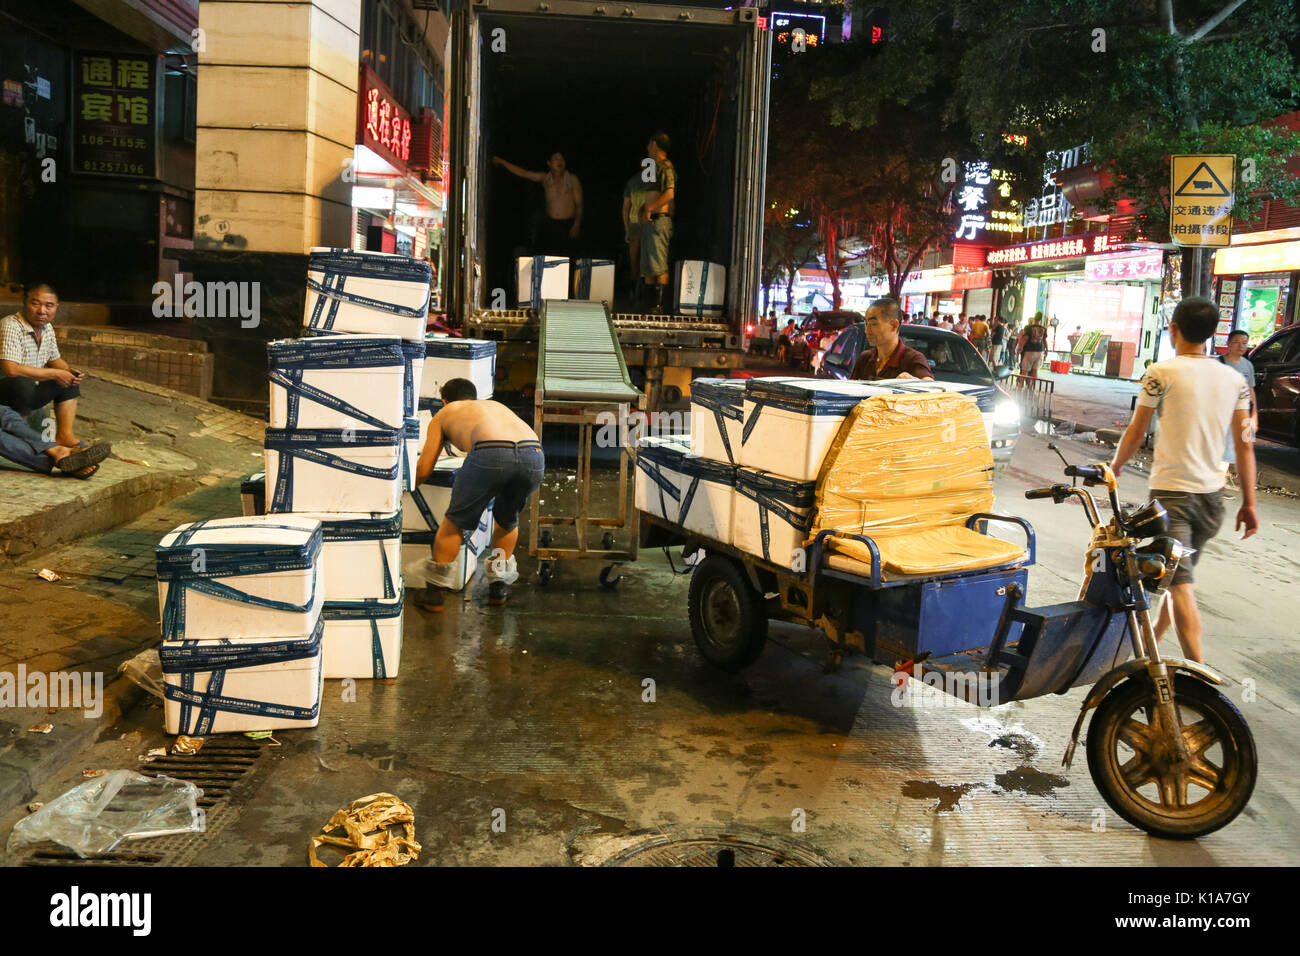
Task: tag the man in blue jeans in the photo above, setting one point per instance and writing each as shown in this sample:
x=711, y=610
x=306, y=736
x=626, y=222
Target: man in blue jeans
x=21, y=443
x=505, y=462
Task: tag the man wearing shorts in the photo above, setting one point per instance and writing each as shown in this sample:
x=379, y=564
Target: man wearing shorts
x=1197, y=399
x=657, y=219
x=505, y=463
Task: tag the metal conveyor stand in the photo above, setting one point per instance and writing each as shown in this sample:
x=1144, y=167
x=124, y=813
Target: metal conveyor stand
x=581, y=374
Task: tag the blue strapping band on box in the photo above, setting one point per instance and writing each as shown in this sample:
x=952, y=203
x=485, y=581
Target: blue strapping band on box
x=726, y=402
x=381, y=529
x=654, y=471
x=306, y=443
x=189, y=658
x=175, y=562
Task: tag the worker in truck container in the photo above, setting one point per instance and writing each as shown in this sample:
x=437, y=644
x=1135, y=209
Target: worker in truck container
x=657, y=219
x=560, y=228
x=634, y=196
x=504, y=465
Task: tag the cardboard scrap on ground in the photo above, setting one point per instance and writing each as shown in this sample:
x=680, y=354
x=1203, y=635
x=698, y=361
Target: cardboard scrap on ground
x=367, y=823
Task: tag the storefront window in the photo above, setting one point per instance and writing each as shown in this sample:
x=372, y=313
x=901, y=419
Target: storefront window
x=1262, y=305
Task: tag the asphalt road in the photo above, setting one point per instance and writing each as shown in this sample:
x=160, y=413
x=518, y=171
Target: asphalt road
x=526, y=735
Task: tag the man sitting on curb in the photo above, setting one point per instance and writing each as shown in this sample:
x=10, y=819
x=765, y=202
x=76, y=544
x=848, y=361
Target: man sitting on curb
x=32, y=372
x=21, y=443
x=505, y=462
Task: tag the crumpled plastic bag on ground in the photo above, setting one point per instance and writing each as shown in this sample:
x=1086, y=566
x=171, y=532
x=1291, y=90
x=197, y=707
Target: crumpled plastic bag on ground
x=366, y=823
x=144, y=670
x=96, y=816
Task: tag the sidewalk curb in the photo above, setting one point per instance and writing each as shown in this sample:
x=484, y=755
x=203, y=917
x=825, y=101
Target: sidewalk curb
x=19, y=786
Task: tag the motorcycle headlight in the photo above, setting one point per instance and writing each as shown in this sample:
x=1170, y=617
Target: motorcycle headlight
x=1006, y=412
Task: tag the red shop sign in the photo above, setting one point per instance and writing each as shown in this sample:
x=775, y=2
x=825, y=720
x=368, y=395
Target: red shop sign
x=382, y=125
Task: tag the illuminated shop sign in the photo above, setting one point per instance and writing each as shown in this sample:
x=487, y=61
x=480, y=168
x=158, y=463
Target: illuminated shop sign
x=1240, y=260
x=982, y=190
x=1142, y=265
x=382, y=125
x=1071, y=247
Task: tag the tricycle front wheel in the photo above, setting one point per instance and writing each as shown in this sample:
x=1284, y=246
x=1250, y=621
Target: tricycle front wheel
x=727, y=618
x=1131, y=763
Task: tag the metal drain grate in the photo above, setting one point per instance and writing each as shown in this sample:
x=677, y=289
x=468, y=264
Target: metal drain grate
x=222, y=769
x=718, y=847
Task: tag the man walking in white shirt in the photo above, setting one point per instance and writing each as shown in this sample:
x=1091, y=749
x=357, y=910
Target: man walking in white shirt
x=1197, y=400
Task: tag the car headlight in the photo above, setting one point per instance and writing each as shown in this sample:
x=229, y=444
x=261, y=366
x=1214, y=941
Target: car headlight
x=1006, y=412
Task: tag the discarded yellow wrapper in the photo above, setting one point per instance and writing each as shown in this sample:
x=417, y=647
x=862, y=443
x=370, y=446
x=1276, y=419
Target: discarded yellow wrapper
x=47, y=574
x=41, y=728
x=366, y=823
x=187, y=745
x=907, y=471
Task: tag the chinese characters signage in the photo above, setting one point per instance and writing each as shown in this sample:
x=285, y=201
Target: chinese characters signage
x=1200, y=209
x=383, y=127
x=982, y=190
x=1070, y=247
x=114, y=114
x=1143, y=265
x=1052, y=207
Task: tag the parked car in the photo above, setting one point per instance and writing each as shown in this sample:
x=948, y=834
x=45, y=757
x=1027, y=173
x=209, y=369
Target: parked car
x=1277, y=385
x=822, y=327
x=952, y=359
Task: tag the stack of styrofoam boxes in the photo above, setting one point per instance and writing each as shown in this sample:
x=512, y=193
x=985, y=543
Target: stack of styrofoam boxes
x=541, y=278
x=593, y=280
x=788, y=427
x=241, y=602
x=339, y=445
x=686, y=489
x=423, y=508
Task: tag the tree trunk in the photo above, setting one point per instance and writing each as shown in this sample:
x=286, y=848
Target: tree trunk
x=789, y=291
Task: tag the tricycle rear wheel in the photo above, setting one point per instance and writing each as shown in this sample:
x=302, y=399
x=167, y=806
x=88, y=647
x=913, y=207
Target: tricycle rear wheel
x=1130, y=766
x=727, y=617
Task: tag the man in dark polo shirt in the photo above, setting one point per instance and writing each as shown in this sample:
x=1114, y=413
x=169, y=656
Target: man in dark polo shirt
x=888, y=357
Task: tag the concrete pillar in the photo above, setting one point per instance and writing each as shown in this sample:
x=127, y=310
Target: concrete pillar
x=277, y=106
x=277, y=100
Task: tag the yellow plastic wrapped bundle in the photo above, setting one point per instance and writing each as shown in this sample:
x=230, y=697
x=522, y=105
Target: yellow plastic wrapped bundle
x=907, y=470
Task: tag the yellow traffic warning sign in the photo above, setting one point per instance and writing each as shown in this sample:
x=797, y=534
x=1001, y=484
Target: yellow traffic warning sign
x=1201, y=194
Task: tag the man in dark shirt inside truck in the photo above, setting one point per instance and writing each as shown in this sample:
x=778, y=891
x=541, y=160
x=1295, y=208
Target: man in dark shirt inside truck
x=888, y=357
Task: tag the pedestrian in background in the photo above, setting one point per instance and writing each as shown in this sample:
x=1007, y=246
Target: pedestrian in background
x=1197, y=401
x=998, y=342
x=979, y=336
x=1033, y=343
x=1237, y=361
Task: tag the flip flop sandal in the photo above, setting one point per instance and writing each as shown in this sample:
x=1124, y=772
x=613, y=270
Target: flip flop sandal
x=86, y=473
x=80, y=460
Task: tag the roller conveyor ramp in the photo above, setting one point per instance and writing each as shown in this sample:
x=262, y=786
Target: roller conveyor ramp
x=581, y=376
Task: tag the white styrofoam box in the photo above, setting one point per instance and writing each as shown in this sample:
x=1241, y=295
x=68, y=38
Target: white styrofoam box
x=337, y=381
x=701, y=287
x=446, y=358
x=337, y=470
x=593, y=280
x=717, y=417
x=771, y=515
x=362, y=638
x=367, y=293
x=418, y=555
x=542, y=277
x=413, y=355
x=790, y=423
x=240, y=577
x=361, y=555
x=252, y=495
x=708, y=499
x=234, y=686
x=659, y=478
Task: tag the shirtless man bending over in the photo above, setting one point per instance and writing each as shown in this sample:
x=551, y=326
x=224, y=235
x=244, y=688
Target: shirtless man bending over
x=505, y=462
x=563, y=221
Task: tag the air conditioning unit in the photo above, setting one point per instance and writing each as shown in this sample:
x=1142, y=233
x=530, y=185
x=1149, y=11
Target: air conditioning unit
x=426, y=143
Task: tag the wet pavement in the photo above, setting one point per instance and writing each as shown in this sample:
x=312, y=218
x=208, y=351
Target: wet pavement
x=580, y=725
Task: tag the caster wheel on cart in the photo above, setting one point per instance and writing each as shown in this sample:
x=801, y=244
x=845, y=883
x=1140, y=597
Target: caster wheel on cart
x=544, y=539
x=545, y=573
x=727, y=617
x=606, y=581
x=1132, y=769
x=607, y=541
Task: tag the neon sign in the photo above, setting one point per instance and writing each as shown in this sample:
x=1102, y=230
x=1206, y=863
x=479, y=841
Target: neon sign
x=382, y=125
x=1071, y=247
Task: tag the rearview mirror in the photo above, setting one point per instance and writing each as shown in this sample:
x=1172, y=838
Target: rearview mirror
x=1001, y=372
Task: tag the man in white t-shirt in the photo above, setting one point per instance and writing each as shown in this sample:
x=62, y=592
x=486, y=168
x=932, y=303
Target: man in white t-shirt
x=1197, y=399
